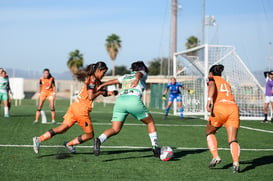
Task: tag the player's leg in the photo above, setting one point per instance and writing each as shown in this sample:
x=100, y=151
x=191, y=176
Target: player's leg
x=234, y=147
x=9, y=102
x=267, y=100
x=152, y=134
x=212, y=144
x=40, y=105
x=47, y=135
x=51, y=102
x=140, y=112
x=232, y=125
x=115, y=129
x=271, y=101
x=84, y=122
x=6, y=109
x=179, y=104
x=169, y=104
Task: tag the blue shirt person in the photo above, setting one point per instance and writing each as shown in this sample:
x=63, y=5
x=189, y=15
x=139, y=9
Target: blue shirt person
x=175, y=93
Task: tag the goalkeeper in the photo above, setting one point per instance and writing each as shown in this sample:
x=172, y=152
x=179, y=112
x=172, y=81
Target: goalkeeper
x=175, y=93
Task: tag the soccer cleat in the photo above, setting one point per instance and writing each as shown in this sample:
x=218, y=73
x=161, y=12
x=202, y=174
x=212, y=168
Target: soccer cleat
x=271, y=120
x=35, y=121
x=96, y=148
x=156, y=151
x=53, y=122
x=6, y=116
x=36, y=144
x=214, y=161
x=165, y=116
x=71, y=149
x=236, y=168
x=265, y=121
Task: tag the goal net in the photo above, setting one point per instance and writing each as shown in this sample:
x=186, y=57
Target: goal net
x=191, y=68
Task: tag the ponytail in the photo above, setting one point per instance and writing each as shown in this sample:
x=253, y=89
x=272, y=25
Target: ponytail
x=90, y=70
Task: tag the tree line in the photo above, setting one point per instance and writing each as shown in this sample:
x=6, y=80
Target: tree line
x=157, y=66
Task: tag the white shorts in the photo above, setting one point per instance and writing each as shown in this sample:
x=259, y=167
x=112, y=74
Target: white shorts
x=268, y=99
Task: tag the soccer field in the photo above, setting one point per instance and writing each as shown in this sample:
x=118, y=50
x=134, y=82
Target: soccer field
x=128, y=155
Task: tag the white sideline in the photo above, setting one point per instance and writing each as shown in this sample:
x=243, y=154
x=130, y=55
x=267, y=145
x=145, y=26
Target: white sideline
x=255, y=129
x=178, y=125
x=133, y=147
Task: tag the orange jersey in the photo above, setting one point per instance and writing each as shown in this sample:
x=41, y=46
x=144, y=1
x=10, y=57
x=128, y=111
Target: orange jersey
x=90, y=83
x=225, y=110
x=47, y=84
x=223, y=91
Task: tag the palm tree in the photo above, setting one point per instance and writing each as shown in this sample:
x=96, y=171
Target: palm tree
x=113, y=45
x=75, y=61
x=192, y=42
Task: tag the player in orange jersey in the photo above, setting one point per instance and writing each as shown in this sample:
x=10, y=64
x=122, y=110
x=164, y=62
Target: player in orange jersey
x=78, y=112
x=46, y=90
x=224, y=111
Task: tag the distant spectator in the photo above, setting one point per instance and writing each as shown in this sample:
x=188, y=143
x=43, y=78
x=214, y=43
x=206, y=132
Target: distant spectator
x=268, y=94
x=3, y=91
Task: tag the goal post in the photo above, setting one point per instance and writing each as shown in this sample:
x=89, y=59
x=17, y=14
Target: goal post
x=191, y=67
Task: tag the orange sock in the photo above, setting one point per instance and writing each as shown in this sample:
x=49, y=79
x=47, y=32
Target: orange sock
x=75, y=141
x=212, y=144
x=235, y=151
x=47, y=135
x=53, y=115
x=37, y=115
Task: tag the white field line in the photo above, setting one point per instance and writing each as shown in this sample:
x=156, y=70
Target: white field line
x=176, y=125
x=255, y=129
x=131, y=147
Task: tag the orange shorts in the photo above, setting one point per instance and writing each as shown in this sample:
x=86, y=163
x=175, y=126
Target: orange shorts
x=45, y=94
x=225, y=114
x=78, y=113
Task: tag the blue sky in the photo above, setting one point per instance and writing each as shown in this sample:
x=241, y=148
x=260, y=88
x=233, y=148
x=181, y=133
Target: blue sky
x=38, y=34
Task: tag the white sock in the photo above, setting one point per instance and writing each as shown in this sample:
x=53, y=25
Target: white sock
x=153, y=138
x=6, y=110
x=102, y=138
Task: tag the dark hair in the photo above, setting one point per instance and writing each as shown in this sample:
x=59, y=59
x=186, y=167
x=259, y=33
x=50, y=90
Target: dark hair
x=90, y=70
x=49, y=74
x=139, y=65
x=217, y=69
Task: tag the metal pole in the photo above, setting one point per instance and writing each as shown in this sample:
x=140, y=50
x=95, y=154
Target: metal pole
x=203, y=22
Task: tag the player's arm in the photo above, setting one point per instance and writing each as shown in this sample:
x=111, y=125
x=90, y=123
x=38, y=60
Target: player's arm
x=189, y=90
x=164, y=93
x=94, y=91
x=8, y=87
x=266, y=74
x=53, y=86
x=109, y=82
x=40, y=87
x=139, y=75
x=185, y=88
x=211, y=92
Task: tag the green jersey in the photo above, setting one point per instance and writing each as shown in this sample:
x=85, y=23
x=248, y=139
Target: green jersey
x=3, y=85
x=127, y=88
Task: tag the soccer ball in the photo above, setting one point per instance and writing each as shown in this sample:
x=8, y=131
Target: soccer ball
x=166, y=153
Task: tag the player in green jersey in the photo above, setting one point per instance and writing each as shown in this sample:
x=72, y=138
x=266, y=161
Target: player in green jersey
x=129, y=102
x=3, y=92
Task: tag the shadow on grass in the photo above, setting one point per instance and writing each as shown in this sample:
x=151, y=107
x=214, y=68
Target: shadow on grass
x=127, y=151
x=182, y=153
x=62, y=153
x=252, y=164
